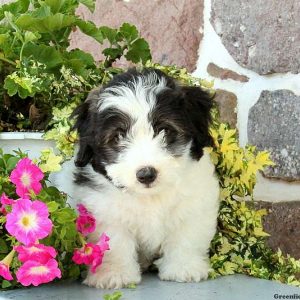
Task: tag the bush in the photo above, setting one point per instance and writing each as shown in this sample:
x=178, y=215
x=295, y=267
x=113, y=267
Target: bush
x=38, y=73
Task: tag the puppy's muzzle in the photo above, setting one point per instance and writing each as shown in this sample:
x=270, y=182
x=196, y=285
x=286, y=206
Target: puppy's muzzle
x=146, y=175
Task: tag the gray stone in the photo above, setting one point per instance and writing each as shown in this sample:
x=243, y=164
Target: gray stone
x=283, y=224
x=233, y=287
x=227, y=102
x=263, y=36
x=170, y=27
x=274, y=125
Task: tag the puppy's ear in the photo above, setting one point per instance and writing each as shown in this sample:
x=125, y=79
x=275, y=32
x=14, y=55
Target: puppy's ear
x=83, y=119
x=197, y=106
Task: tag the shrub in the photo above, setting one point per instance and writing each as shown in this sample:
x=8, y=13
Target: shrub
x=38, y=71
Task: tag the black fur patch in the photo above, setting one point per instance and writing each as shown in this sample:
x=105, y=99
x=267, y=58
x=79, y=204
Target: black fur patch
x=80, y=178
x=184, y=114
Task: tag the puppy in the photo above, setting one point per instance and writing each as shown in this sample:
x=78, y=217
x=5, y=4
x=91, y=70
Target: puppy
x=143, y=172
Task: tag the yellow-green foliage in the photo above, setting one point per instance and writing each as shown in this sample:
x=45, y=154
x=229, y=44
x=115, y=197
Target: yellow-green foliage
x=240, y=243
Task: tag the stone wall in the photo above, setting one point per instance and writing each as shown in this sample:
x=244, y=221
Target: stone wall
x=252, y=52
x=251, y=49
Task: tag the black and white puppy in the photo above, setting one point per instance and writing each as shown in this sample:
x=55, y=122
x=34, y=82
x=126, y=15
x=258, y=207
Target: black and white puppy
x=143, y=172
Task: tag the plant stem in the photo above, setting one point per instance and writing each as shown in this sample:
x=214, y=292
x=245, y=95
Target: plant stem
x=21, y=53
x=7, y=60
x=81, y=238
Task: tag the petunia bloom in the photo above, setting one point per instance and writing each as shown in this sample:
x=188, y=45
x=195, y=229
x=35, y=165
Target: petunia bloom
x=26, y=176
x=85, y=222
x=5, y=201
x=103, y=242
x=82, y=209
x=37, y=252
x=4, y=266
x=92, y=254
x=4, y=271
x=104, y=246
x=36, y=273
x=28, y=221
x=86, y=254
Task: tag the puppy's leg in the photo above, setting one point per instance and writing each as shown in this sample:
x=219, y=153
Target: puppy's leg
x=119, y=267
x=185, y=254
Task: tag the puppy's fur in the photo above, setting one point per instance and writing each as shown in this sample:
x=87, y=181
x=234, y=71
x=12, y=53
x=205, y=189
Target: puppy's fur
x=141, y=120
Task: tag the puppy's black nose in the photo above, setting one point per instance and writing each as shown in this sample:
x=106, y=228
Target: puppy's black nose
x=146, y=175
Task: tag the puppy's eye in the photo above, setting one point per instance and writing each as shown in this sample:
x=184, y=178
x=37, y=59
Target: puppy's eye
x=170, y=134
x=167, y=130
x=117, y=137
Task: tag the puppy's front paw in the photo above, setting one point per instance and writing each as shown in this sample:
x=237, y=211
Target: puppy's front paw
x=184, y=272
x=112, y=278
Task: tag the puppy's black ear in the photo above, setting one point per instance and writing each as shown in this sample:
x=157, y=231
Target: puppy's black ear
x=197, y=106
x=83, y=119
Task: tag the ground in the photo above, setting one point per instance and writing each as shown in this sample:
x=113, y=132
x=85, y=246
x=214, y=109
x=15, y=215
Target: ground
x=235, y=287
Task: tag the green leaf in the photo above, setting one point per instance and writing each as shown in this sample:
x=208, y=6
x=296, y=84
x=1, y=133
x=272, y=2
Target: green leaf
x=139, y=51
x=10, y=86
x=90, y=29
x=79, y=61
x=110, y=34
x=115, y=296
x=47, y=24
x=113, y=53
x=44, y=54
x=5, y=284
x=4, y=37
x=86, y=58
x=90, y=4
x=15, y=8
x=18, y=85
x=74, y=271
x=52, y=206
x=63, y=232
x=3, y=246
x=42, y=12
x=129, y=32
x=55, y=5
x=65, y=215
x=30, y=36
x=71, y=233
x=11, y=163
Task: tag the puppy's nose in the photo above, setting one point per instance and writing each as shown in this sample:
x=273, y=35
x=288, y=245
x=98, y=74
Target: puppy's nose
x=146, y=175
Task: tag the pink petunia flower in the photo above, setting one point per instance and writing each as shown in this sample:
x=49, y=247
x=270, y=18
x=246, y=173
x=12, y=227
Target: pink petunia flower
x=4, y=271
x=92, y=254
x=28, y=221
x=85, y=222
x=5, y=201
x=86, y=254
x=4, y=265
x=26, y=176
x=103, y=242
x=36, y=273
x=37, y=252
x=82, y=209
x=104, y=246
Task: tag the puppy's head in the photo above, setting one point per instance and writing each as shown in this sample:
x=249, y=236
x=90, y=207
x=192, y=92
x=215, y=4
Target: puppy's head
x=142, y=130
